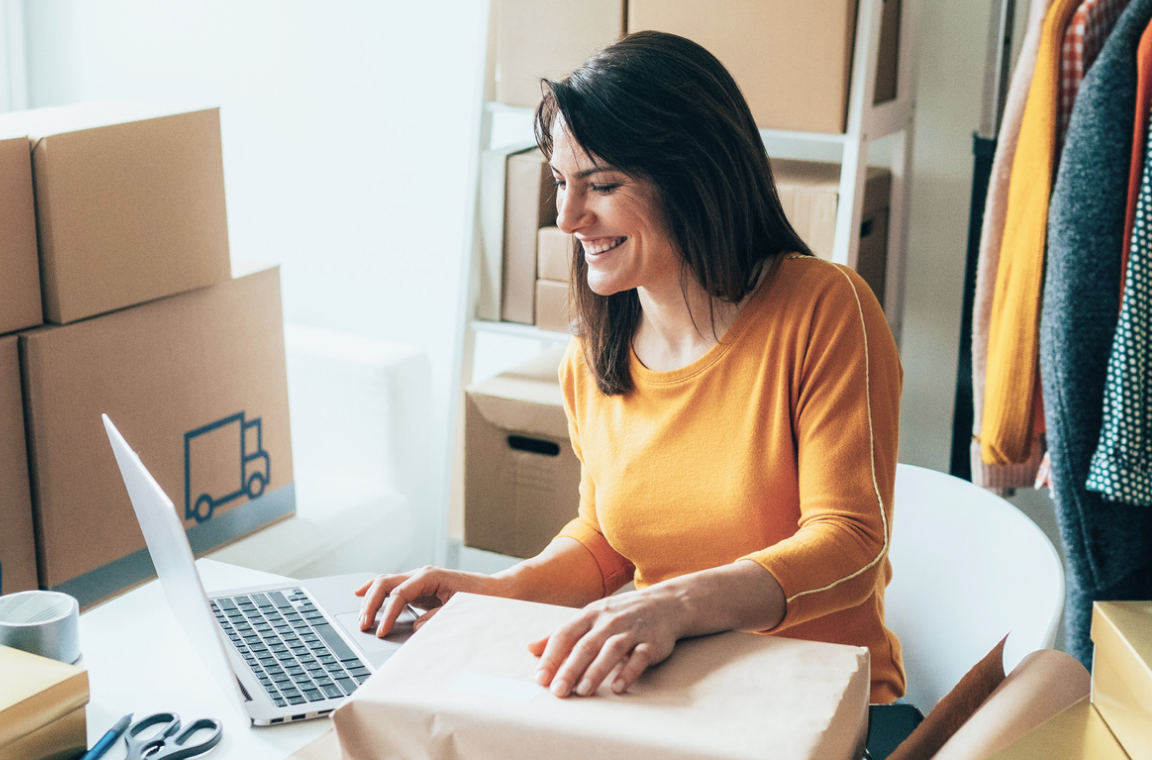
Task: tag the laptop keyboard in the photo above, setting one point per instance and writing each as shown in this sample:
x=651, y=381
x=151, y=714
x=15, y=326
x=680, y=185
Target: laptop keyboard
x=290, y=646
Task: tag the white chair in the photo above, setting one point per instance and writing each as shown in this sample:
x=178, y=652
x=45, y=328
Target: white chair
x=968, y=568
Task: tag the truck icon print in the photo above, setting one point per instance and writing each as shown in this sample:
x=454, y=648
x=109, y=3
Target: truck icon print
x=223, y=461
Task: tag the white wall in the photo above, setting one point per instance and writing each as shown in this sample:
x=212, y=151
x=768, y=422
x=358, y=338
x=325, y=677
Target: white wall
x=348, y=130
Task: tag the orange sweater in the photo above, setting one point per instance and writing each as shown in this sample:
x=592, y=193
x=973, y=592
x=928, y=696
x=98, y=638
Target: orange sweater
x=778, y=446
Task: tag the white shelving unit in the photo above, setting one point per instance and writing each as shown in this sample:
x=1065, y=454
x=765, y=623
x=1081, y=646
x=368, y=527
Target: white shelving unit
x=885, y=129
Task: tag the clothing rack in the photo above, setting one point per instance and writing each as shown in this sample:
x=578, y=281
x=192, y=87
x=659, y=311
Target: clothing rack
x=997, y=73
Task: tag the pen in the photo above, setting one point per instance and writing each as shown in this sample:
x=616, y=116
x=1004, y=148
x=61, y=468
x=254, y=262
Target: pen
x=108, y=739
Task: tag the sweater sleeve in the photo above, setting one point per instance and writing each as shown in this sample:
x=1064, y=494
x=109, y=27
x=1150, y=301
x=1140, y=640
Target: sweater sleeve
x=615, y=570
x=847, y=382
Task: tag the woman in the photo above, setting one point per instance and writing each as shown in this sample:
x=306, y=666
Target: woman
x=733, y=399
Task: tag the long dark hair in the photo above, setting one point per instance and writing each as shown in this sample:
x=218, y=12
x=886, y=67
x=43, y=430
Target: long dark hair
x=662, y=108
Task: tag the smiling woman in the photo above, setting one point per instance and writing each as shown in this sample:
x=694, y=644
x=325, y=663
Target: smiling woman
x=734, y=400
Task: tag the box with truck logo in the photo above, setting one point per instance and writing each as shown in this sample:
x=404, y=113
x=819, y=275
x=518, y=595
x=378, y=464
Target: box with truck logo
x=197, y=384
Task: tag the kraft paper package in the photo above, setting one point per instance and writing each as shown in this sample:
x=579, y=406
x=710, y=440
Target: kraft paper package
x=463, y=687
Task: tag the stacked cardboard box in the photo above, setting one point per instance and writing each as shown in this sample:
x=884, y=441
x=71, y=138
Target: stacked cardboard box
x=810, y=191
x=547, y=39
x=1122, y=673
x=17, y=541
x=554, y=249
x=521, y=475
x=792, y=61
x=148, y=325
x=42, y=707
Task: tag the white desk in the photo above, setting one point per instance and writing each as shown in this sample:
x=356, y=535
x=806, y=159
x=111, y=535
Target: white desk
x=139, y=661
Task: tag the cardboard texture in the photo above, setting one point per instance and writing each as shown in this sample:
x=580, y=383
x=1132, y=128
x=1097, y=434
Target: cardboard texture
x=19, y=263
x=42, y=703
x=521, y=476
x=129, y=203
x=463, y=687
x=554, y=249
x=792, y=61
x=1122, y=672
x=17, y=542
x=547, y=39
x=1077, y=733
x=552, y=306
x=810, y=191
x=493, y=178
x=197, y=384
x=529, y=204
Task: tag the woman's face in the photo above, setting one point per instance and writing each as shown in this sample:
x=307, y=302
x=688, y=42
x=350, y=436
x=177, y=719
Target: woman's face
x=616, y=218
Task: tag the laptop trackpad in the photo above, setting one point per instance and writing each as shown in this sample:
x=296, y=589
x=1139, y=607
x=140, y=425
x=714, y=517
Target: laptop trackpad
x=368, y=641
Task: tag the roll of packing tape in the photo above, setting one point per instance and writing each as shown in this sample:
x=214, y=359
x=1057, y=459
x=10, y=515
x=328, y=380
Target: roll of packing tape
x=46, y=623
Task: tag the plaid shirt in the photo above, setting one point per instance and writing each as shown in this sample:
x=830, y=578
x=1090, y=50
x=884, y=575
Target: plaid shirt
x=1083, y=38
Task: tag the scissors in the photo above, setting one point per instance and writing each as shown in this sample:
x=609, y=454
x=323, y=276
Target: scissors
x=168, y=742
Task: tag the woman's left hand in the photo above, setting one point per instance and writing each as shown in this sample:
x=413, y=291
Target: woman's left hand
x=617, y=637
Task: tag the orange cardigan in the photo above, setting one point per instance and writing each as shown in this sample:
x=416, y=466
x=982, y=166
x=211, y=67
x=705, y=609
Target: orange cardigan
x=777, y=446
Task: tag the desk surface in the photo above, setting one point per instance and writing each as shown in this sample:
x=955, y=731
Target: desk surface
x=139, y=661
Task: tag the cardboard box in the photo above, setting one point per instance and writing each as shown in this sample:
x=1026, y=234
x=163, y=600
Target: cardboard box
x=17, y=542
x=552, y=311
x=1077, y=733
x=529, y=204
x=493, y=182
x=42, y=704
x=554, y=249
x=129, y=203
x=463, y=686
x=1122, y=672
x=792, y=61
x=548, y=39
x=20, y=283
x=810, y=191
x=521, y=476
x=197, y=384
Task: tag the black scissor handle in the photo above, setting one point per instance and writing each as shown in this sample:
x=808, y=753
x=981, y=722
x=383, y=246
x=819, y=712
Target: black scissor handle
x=174, y=749
x=139, y=748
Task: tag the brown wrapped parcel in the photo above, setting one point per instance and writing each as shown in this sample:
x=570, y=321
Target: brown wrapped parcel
x=463, y=687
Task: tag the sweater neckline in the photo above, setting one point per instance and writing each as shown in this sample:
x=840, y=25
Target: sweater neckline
x=646, y=376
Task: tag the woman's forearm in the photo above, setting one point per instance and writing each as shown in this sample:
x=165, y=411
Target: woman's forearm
x=742, y=596
x=565, y=573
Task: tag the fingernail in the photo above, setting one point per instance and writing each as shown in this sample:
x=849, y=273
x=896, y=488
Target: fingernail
x=618, y=687
x=585, y=688
x=541, y=677
x=560, y=688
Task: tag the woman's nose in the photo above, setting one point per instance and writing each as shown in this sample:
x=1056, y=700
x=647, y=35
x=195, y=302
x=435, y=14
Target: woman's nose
x=572, y=213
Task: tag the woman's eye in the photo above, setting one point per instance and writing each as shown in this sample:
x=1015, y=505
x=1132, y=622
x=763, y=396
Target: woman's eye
x=558, y=183
x=605, y=188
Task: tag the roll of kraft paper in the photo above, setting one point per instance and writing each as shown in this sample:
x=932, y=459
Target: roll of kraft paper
x=46, y=623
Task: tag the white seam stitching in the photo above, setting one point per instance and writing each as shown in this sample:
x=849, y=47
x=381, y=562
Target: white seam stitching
x=871, y=451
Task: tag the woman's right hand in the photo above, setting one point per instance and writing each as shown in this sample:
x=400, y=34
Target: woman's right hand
x=427, y=588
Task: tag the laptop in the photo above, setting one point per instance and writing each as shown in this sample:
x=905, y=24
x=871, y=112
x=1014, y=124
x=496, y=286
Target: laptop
x=284, y=652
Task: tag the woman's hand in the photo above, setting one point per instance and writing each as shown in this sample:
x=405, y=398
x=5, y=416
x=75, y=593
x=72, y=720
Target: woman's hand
x=613, y=639
x=617, y=638
x=427, y=588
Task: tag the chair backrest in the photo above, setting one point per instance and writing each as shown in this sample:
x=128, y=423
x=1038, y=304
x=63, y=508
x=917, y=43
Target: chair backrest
x=968, y=568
